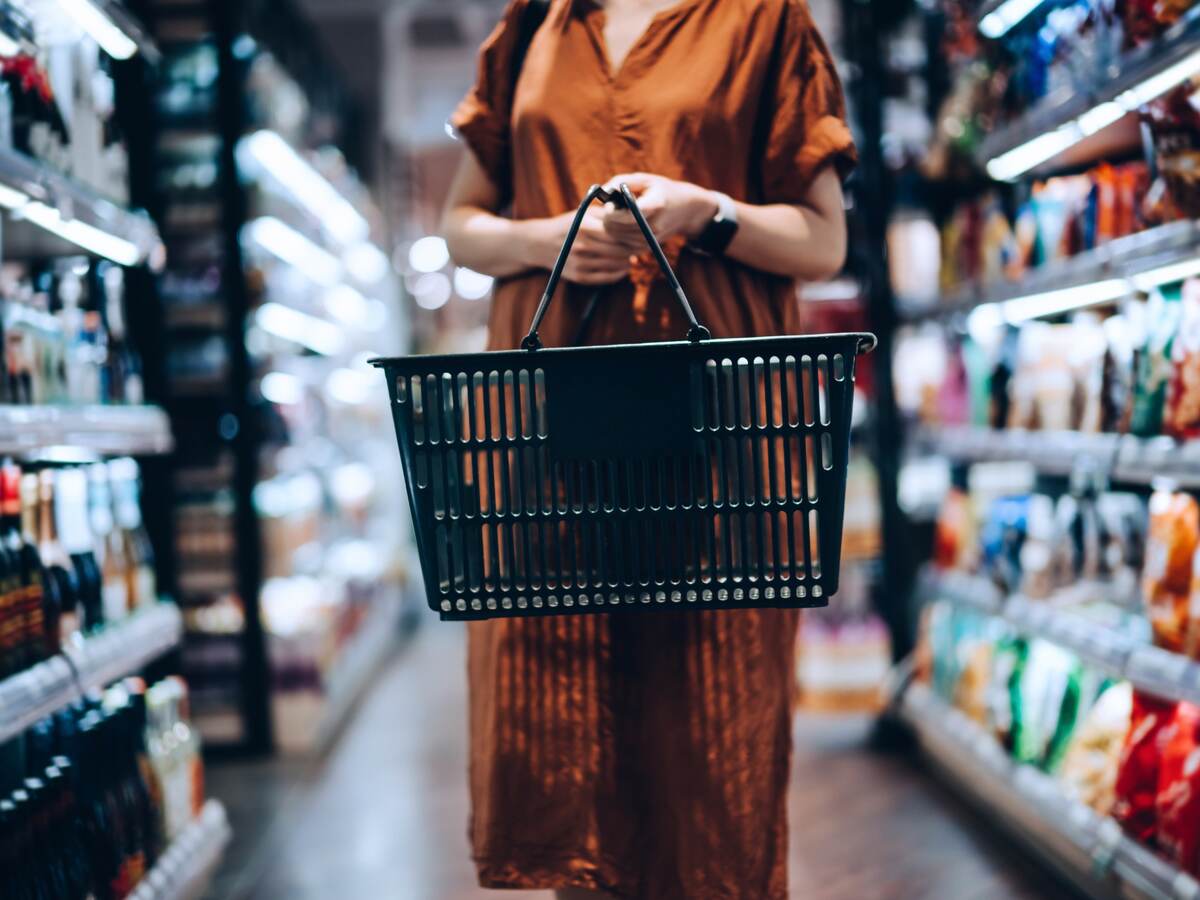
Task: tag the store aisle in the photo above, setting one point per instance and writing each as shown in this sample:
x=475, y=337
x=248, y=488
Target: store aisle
x=384, y=817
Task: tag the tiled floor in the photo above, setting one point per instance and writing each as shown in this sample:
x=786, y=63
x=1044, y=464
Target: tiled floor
x=384, y=817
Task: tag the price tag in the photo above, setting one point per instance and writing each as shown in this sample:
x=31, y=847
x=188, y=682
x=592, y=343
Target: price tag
x=1159, y=671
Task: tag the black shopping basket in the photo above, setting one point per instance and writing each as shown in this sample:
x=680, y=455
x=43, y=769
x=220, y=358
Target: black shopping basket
x=694, y=474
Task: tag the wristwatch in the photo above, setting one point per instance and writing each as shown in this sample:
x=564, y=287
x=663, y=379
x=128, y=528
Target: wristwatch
x=720, y=230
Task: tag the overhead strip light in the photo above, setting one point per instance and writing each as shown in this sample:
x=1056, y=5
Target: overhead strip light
x=103, y=30
x=286, y=244
x=264, y=153
x=90, y=238
x=1004, y=17
x=1031, y=154
x=8, y=45
x=318, y=335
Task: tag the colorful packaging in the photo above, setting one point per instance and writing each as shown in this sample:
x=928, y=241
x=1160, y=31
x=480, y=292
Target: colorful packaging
x=1167, y=577
x=1136, y=787
x=1122, y=522
x=952, y=530
x=1154, y=364
x=1177, y=802
x=1004, y=703
x=1182, y=417
x=1090, y=765
x=1047, y=694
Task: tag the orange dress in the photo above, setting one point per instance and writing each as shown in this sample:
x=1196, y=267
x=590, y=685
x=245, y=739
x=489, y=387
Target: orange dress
x=644, y=753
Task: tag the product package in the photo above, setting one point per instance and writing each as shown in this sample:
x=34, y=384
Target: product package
x=1182, y=417
x=1048, y=698
x=1154, y=364
x=1090, y=765
x=1177, y=802
x=1136, y=788
x=1167, y=576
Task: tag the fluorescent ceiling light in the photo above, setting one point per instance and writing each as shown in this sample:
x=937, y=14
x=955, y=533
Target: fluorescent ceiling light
x=471, y=285
x=428, y=254
x=432, y=290
x=265, y=153
x=282, y=388
x=1001, y=19
x=317, y=335
x=1033, y=153
x=366, y=263
x=285, y=243
x=88, y=16
x=90, y=238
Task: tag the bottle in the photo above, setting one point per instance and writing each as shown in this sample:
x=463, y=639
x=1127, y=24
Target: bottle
x=26, y=569
x=15, y=652
x=51, y=596
x=156, y=827
x=101, y=824
x=59, y=570
x=124, y=381
x=75, y=534
x=110, y=546
x=139, y=553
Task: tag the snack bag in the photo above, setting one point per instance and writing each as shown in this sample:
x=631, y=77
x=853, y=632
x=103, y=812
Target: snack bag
x=1177, y=803
x=1167, y=576
x=1154, y=364
x=1048, y=693
x=952, y=529
x=1191, y=641
x=1089, y=767
x=1182, y=418
x=1136, y=786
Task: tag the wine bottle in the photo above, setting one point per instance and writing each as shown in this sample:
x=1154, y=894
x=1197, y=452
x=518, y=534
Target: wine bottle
x=139, y=553
x=50, y=596
x=58, y=568
x=110, y=546
x=75, y=535
x=27, y=566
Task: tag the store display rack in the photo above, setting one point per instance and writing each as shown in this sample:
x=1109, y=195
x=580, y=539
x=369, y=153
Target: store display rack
x=1143, y=260
x=1053, y=132
x=1112, y=650
x=61, y=206
x=1087, y=849
x=1125, y=458
x=102, y=430
x=186, y=867
x=86, y=664
x=129, y=25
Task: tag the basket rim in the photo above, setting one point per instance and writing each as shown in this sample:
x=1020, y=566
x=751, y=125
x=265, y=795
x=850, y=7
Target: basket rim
x=865, y=343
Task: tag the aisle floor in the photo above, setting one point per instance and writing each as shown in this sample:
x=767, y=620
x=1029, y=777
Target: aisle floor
x=384, y=816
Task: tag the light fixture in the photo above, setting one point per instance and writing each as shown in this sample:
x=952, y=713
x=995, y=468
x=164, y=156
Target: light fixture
x=1020, y=159
x=282, y=388
x=8, y=46
x=1049, y=303
x=352, y=387
x=1000, y=20
x=471, y=285
x=11, y=198
x=1168, y=274
x=351, y=308
x=103, y=30
x=316, y=334
x=429, y=254
x=90, y=238
x=265, y=153
x=432, y=290
x=285, y=243
x=366, y=263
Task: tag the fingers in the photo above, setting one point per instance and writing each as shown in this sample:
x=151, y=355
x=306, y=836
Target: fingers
x=637, y=181
x=584, y=273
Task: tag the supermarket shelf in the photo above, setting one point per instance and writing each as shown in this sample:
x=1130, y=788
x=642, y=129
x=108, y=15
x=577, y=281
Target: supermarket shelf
x=136, y=237
x=86, y=664
x=1086, y=848
x=187, y=866
x=105, y=430
x=1126, y=459
x=1063, y=109
x=1121, y=258
x=1110, y=649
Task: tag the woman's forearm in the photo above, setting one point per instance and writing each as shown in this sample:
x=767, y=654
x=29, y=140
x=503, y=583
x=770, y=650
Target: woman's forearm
x=794, y=241
x=495, y=245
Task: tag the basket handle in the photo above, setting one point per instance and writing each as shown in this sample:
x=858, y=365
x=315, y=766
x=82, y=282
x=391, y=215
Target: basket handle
x=622, y=197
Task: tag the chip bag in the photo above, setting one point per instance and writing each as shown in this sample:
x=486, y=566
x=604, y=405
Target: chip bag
x=1093, y=756
x=1136, y=788
x=1177, y=803
x=1167, y=574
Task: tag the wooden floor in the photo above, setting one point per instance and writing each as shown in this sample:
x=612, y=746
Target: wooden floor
x=384, y=817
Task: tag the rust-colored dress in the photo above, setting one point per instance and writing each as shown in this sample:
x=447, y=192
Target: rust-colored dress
x=644, y=753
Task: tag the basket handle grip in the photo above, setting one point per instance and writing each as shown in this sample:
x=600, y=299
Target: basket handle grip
x=622, y=197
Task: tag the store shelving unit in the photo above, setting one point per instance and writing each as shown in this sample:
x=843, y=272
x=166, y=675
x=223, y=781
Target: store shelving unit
x=1131, y=259
x=1080, y=126
x=187, y=865
x=102, y=430
x=1085, y=848
x=86, y=664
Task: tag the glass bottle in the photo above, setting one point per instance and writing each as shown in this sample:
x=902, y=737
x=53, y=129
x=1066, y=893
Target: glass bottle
x=59, y=570
x=26, y=566
x=110, y=546
x=15, y=650
x=75, y=535
x=50, y=595
x=139, y=553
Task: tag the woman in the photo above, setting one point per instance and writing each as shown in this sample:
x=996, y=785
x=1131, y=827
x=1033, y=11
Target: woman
x=644, y=755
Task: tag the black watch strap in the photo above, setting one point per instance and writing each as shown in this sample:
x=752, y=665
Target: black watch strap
x=719, y=231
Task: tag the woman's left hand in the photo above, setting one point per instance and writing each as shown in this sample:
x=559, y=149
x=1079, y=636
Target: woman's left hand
x=670, y=207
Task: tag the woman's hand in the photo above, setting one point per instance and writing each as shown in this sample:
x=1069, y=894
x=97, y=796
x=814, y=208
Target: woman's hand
x=670, y=207
x=596, y=257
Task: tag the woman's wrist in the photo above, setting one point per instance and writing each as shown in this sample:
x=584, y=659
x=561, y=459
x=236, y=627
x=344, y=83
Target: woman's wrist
x=702, y=206
x=535, y=242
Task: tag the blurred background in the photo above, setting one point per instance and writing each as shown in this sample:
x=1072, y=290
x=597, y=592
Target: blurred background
x=213, y=627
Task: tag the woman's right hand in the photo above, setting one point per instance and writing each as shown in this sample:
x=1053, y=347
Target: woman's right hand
x=595, y=257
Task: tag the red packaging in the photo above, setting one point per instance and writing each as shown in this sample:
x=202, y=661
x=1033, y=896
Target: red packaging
x=1141, y=761
x=1177, y=804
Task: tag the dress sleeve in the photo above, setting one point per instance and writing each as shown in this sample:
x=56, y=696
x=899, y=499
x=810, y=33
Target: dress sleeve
x=483, y=119
x=807, y=129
